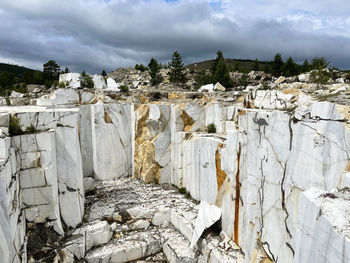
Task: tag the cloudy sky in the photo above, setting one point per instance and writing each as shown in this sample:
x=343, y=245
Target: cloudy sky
x=97, y=34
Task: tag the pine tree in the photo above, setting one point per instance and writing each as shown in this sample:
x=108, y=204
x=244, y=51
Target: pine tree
x=236, y=66
x=306, y=66
x=219, y=56
x=220, y=71
x=177, y=71
x=66, y=70
x=51, y=70
x=86, y=81
x=290, y=68
x=256, y=65
x=277, y=65
x=104, y=73
x=153, y=69
x=319, y=63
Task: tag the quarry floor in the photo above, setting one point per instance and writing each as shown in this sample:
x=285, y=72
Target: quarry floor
x=145, y=223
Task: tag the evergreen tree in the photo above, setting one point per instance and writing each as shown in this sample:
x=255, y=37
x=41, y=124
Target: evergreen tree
x=290, y=68
x=267, y=68
x=104, y=73
x=306, y=66
x=319, y=63
x=51, y=70
x=153, y=69
x=86, y=80
x=219, y=56
x=256, y=65
x=277, y=65
x=220, y=71
x=177, y=72
x=66, y=70
x=222, y=74
x=236, y=66
x=140, y=67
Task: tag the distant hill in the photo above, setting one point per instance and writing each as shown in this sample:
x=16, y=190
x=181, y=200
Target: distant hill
x=243, y=64
x=16, y=70
x=14, y=77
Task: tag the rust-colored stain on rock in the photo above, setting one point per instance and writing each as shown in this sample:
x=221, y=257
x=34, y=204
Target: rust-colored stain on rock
x=220, y=174
x=107, y=118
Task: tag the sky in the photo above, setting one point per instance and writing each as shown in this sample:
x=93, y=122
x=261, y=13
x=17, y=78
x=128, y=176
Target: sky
x=93, y=35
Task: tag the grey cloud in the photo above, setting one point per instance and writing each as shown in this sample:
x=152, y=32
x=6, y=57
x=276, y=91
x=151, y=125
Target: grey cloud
x=92, y=34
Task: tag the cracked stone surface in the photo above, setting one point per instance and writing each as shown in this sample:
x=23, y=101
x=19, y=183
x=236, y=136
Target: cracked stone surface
x=270, y=149
x=125, y=202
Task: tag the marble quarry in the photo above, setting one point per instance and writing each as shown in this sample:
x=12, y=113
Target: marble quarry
x=120, y=181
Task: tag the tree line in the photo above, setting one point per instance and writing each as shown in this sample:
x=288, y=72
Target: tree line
x=219, y=72
x=290, y=68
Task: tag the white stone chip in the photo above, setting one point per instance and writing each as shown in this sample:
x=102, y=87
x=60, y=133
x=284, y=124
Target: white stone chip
x=207, y=215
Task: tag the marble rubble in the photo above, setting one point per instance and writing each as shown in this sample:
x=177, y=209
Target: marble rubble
x=121, y=178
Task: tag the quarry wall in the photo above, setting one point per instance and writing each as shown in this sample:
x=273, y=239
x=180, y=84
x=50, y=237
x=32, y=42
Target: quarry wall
x=268, y=170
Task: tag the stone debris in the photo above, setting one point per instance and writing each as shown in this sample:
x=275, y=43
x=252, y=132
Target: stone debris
x=135, y=237
x=207, y=88
x=89, y=184
x=207, y=215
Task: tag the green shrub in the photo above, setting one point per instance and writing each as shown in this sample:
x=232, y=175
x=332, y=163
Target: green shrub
x=86, y=81
x=243, y=81
x=124, y=88
x=31, y=129
x=140, y=67
x=182, y=190
x=14, y=127
x=62, y=85
x=320, y=77
x=211, y=128
x=55, y=83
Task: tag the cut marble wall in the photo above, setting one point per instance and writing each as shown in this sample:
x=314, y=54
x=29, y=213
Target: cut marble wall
x=323, y=229
x=277, y=151
x=85, y=137
x=112, y=139
x=70, y=175
x=12, y=219
x=36, y=159
x=69, y=165
x=199, y=167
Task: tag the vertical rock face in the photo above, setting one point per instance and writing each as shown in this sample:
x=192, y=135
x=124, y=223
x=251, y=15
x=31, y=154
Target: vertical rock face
x=153, y=143
x=12, y=219
x=37, y=161
x=85, y=138
x=112, y=139
x=70, y=175
x=323, y=227
x=42, y=175
x=269, y=161
x=200, y=171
